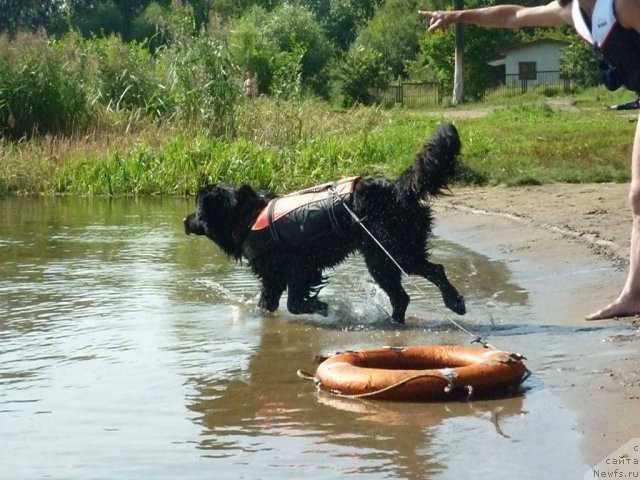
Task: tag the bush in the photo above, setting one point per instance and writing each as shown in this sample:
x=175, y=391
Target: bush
x=578, y=62
x=258, y=36
x=363, y=73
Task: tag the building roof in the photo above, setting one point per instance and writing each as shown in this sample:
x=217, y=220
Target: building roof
x=502, y=59
x=525, y=45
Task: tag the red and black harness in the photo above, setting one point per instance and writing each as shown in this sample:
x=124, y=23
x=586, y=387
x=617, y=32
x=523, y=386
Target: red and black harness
x=302, y=218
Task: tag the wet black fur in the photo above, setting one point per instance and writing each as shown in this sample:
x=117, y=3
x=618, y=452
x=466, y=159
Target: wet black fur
x=396, y=212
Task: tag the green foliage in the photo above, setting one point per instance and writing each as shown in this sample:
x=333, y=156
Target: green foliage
x=480, y=47
x=157, y=106
x=200, y=83
x=106, y=19
x=287, y=73
x=38, y=92
x=60, y=87
x=123, y=77
x=150, y=27
x=343, y=18
x=124, y=18
x=436, y=58
x=363, y=73
x=260, y=35
x=578, y=62
x=16, y=15
x=251, y=49
x=394, y=31
x=284, y=145
x=288, y=28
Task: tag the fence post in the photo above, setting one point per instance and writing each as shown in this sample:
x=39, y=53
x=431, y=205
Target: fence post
x=399, y=92
x=523, y=86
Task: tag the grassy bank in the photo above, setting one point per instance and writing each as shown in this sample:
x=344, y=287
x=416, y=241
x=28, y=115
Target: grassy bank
x=284, y=145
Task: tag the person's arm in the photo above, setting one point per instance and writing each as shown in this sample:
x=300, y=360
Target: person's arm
x=502, y=16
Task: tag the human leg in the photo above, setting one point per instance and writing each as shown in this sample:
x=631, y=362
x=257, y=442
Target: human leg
x=628, y=302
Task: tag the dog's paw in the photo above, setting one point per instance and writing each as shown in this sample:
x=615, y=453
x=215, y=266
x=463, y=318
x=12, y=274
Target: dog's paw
x=266, y=305
x=309, y=306
x=456, y=304
x=323, y=309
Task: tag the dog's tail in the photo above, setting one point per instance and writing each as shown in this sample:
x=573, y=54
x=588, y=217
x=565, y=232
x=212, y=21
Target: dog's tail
x=434, y=166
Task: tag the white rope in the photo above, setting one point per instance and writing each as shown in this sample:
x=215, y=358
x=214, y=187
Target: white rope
x=476, y=338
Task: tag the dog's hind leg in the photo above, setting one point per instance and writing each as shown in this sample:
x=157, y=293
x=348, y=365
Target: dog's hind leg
x=388, y=277
x=435, y=274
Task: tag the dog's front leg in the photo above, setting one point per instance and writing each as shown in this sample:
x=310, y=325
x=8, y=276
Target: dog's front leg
x=270, y=293
x=298, y=306
x=303, y=285
x=268, y=302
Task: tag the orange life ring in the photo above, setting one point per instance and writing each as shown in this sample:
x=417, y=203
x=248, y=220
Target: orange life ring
x=421, y=373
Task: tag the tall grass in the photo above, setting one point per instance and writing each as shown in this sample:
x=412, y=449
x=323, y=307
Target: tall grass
x=38, y=92
x=68, y=86
x=311, y=143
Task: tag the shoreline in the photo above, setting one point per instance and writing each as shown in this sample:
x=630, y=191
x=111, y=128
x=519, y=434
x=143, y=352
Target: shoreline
x=582, y=229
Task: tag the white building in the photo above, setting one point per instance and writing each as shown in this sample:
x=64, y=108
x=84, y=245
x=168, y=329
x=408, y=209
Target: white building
x=533, y=63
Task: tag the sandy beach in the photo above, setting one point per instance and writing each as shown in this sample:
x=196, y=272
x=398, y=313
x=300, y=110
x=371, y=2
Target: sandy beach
x=588, y=227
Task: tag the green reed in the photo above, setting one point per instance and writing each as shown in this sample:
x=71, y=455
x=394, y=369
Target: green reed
x=39, y=93
x=281, y=146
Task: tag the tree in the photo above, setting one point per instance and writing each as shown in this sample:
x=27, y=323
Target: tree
x=260, y=35
x=394, y=31
x=578, y=62
x=342, y=18
x=105, y=17
x=28, y=14
x=362, y=74
x=458, y=74
x=436, y=58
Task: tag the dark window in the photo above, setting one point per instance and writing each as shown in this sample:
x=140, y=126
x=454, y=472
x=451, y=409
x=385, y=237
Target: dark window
x=527, y=70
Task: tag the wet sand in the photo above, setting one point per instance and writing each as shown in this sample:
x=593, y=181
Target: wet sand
x=582, y=232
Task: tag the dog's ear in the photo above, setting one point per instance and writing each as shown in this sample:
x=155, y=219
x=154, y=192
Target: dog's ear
x=247, y=202
x=245, y=194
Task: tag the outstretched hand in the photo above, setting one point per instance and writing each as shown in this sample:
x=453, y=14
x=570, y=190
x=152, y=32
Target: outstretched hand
x=438, y=20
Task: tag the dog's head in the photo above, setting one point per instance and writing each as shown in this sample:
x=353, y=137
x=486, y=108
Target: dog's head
x=224, y=213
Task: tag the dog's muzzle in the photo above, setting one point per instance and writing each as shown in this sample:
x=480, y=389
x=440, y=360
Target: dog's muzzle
x=191, y=225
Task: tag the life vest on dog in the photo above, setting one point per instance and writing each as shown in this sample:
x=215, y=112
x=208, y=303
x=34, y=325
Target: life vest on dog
x=300, y=219
x=619, y=46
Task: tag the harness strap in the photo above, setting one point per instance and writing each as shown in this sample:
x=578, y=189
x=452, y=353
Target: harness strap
x=331, y=211
x=271, y=223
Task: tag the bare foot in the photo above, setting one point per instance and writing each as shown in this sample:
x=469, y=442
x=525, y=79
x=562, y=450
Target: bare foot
x=618, y=309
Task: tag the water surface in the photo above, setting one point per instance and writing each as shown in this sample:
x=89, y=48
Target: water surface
x=129, y=350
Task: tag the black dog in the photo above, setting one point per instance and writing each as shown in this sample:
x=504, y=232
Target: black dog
x=290, y=240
